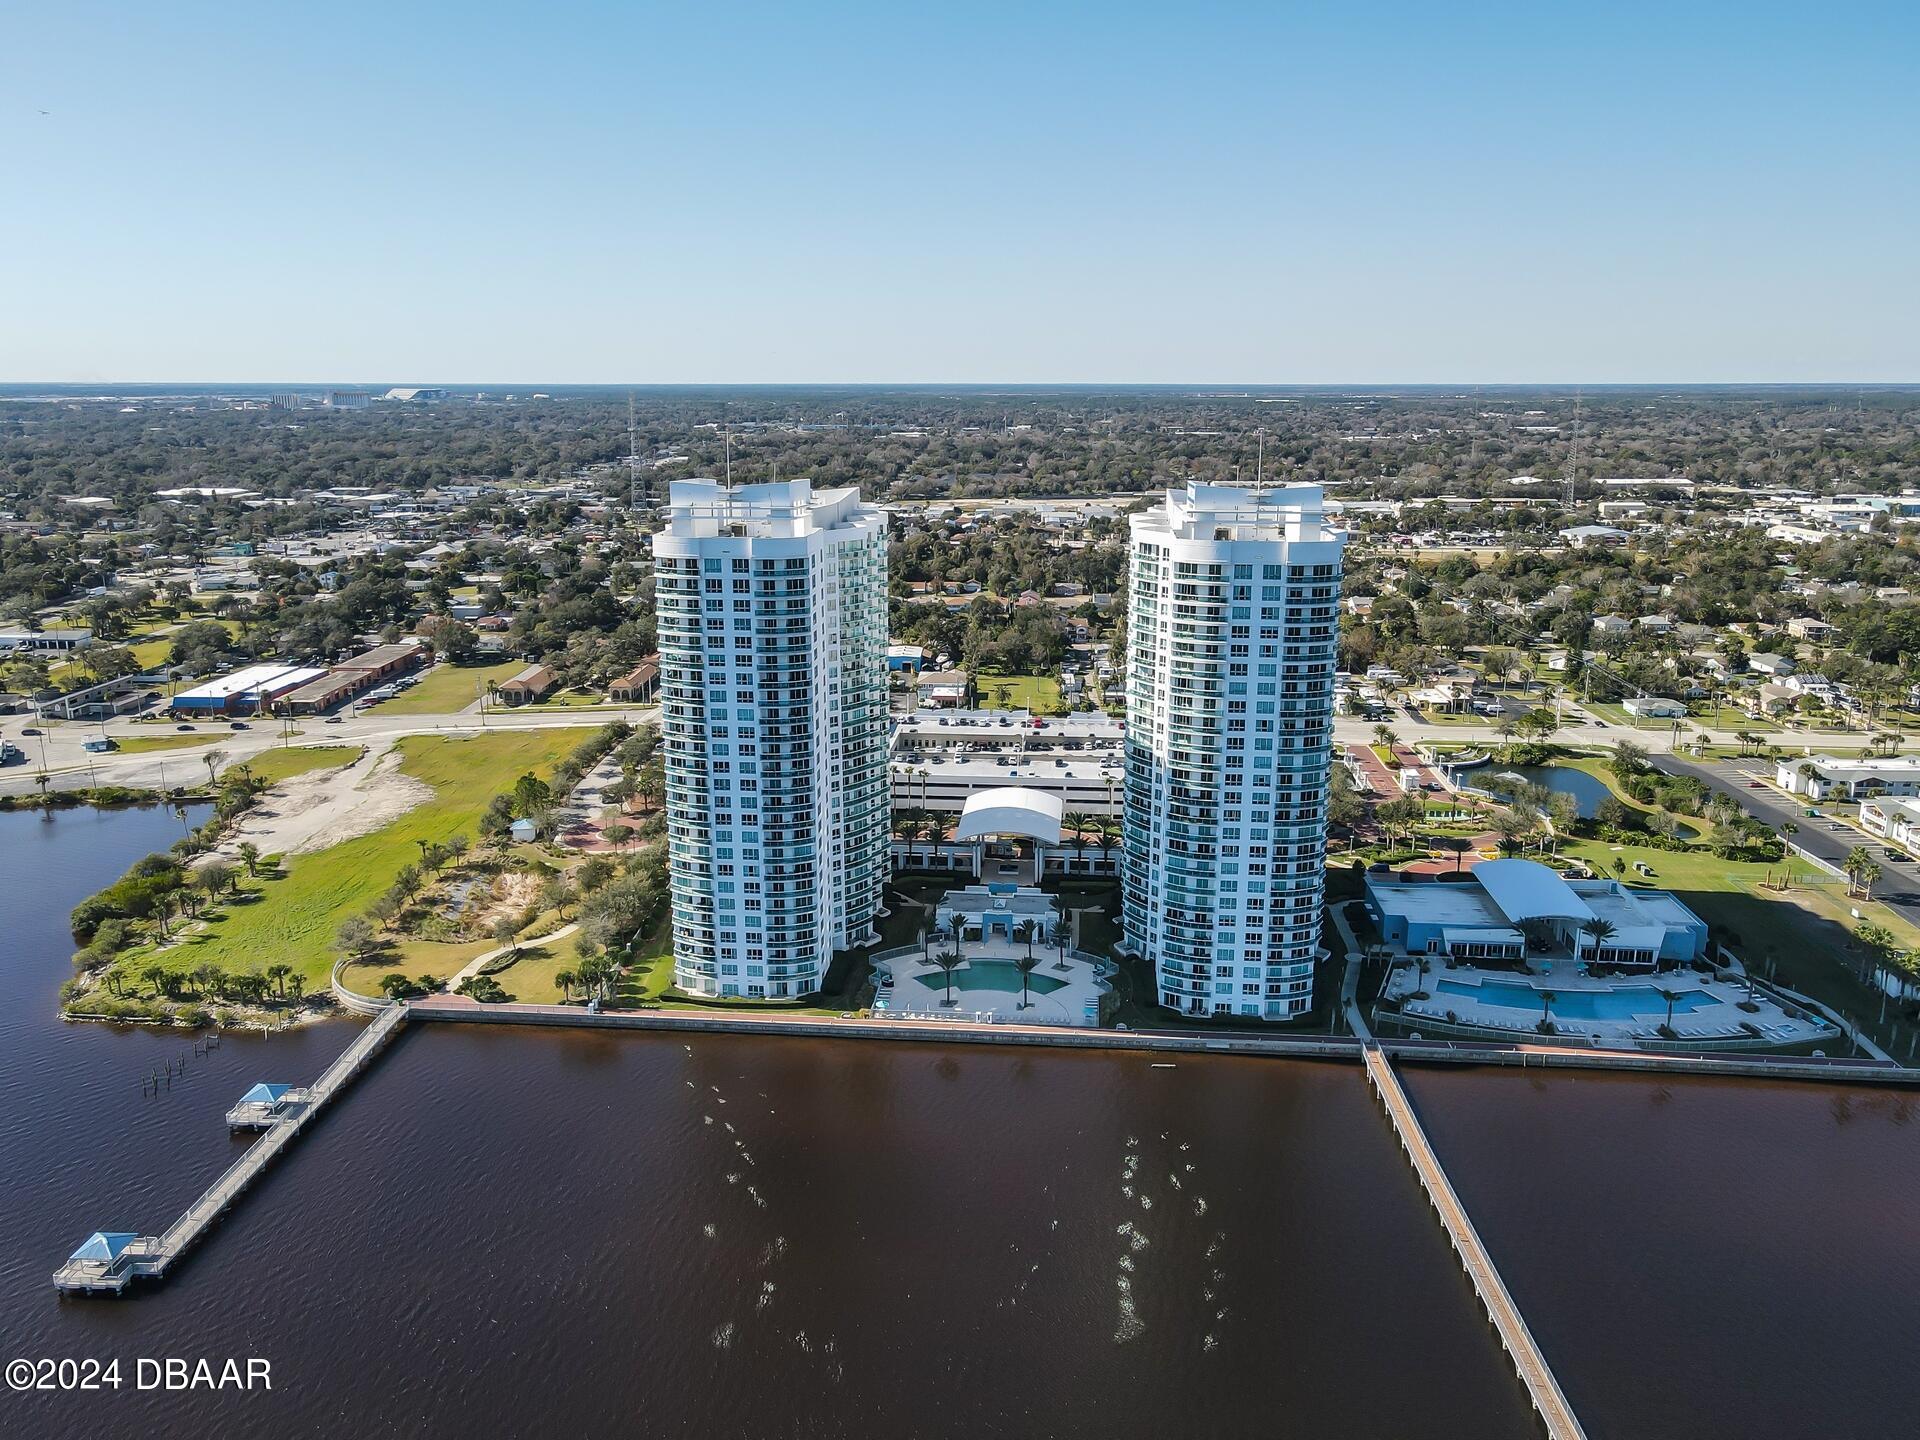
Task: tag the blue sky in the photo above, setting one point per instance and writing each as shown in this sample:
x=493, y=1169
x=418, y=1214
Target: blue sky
x=569, y=192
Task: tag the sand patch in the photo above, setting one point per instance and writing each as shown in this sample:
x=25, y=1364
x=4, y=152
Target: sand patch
x=323, y=808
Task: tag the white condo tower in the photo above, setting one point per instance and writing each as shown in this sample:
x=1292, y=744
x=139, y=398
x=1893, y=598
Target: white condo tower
x=1230, y=658
x=772, y=603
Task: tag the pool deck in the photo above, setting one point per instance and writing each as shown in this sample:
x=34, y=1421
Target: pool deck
x=1720, y=1023
x=920, y=988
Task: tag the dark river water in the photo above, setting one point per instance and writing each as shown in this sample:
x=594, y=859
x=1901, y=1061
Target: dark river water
x=509, y=1233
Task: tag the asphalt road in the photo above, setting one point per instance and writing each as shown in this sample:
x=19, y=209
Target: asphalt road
x=1827, y=837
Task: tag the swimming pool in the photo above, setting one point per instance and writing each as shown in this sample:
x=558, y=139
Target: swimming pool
x=1622, y=1003
x=997, y=975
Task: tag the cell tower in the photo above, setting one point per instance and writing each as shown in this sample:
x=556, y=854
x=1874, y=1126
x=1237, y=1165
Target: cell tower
x=1573, y=460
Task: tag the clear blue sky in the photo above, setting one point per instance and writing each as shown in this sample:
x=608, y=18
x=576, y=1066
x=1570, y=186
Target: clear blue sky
x=566, y=192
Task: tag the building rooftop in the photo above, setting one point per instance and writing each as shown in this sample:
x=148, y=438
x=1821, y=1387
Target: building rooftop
x=1528, y=890
x=1201, y=512
x=786, y=509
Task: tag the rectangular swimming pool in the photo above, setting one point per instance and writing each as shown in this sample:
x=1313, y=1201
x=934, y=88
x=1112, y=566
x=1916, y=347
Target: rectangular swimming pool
x=1624, y=1002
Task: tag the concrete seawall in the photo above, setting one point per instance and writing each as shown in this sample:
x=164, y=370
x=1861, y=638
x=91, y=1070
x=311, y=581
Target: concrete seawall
x=459, y=1010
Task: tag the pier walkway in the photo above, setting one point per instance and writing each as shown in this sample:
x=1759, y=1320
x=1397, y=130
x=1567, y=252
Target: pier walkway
x=1542, y=1388
x=152, y=1255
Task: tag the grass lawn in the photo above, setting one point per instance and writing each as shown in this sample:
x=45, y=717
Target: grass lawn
x=1803, y=937
x=448, y=688
x=284, y=764
x=1038, y=693
x=415, y=958
x=651, y=975
x=137, y=744
x=293, y=918
x=570, y=700
x=530, y=978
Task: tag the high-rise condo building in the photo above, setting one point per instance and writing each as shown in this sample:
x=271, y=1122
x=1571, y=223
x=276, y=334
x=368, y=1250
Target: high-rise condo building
x=1230, y=656
x=772, y=603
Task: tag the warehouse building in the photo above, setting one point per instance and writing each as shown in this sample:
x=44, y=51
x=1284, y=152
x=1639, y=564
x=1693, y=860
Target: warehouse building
x=245, y=692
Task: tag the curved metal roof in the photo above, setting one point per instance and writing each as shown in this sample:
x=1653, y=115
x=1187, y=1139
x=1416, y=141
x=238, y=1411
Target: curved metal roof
x=1011, y=810
x=1528, y=890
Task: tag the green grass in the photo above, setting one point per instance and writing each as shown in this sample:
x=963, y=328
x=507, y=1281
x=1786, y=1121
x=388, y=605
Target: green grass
x=1037, y=693
x=277, y=765
x=294, y=917
x=416, y=959
x=530, y=978
x=448, y=688
x=651, y=975
x=571, y=700
x=139, y=744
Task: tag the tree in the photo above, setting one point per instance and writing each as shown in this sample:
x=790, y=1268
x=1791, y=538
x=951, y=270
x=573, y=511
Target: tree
x=1025, y=964
x=1628, y=760
x=1081, y=824
x=506, y=931
x=249, y=856
x=1669, y=996
x=1060, y=935
x=566, y=980
x=395, y=985
x=1026, y=932
x=356, y=938
x=1602, y=930
x=213, y=759
x=1547, y=997
x=1384, y=737
x=215, y=876
x=948, y=961
x=957, y=931
x=279, y=975
x=1861, y=872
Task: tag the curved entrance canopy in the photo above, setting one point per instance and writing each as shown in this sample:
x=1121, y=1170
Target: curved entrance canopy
x=1011, y=810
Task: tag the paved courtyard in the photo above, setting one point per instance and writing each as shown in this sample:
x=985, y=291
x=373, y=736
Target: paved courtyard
x=986, y=984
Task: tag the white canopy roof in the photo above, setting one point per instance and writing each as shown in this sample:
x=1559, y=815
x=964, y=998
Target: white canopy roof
x=1011, y=810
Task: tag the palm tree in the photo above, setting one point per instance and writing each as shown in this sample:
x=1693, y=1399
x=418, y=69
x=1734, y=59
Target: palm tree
x=1081, y=824
x=1547, y=997
x=1384, y=737
x=1857, y=865
x=1601, y=931
x=1669, y=996
x=1059, y=935
x=249, y=854
x=957, y=932
x=1025, y=964
x=1026, y=932
x=948, y=961
x=279, y=975
x=566, y=980
x=213, y=760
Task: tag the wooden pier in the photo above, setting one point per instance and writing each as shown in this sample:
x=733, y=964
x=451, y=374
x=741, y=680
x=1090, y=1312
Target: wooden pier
x=1542, y=1388
x=150, y=1256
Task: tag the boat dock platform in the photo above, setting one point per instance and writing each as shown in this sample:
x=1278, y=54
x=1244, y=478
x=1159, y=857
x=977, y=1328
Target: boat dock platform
x=110, y=1266
x=1542, y=1388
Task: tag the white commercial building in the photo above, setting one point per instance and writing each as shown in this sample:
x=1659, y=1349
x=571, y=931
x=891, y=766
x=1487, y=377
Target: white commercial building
x=1818, y=776
x=1229, y=740
x=772, y=604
